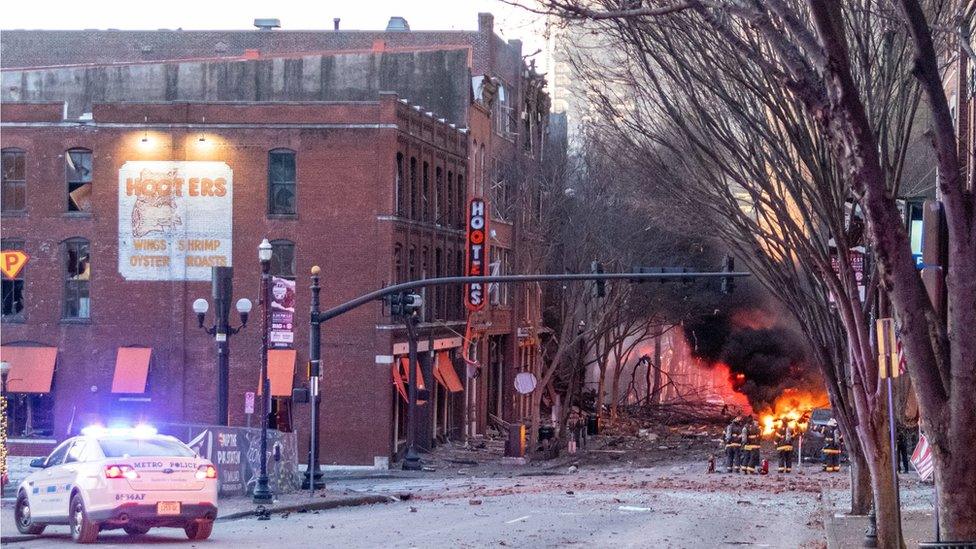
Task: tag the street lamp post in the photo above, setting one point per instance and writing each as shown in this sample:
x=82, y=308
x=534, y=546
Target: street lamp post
x=262, y=492
x=4, y=370
x=222, y=330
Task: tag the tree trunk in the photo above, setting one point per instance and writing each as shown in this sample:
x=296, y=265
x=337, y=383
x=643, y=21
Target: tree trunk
x=877, y=451
x=956, y=488
x=861, y=494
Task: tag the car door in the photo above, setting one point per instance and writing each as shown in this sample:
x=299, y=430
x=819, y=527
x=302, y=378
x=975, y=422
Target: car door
x=44, y=486
x=64, y=476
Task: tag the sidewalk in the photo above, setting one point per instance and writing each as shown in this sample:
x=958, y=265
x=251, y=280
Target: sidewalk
x=242, y=507
x=847, y=531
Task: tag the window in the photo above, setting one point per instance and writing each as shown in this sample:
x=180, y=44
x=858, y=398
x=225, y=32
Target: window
x=76, y=452
x=283, y=259
x=438, y=309
x=57, y=456
x=30, y=415
x=13, y=290
x=14, y=181
x=77, y=276
x=499, y=265
x=451, y=217
x=149, y=447
x=426, y=310
x=397, y=263
x=425, y=196
x=78, y=173
x=412, y=263
x=414, y=212
x=281, y=182
x=502, y=114
x=461, y=194
x=439, y=195
x=401, y=191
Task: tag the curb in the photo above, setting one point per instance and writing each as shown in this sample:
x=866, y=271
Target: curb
x=290, y=508
x=312, y=506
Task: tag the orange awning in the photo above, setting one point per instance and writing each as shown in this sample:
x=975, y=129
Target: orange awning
x=131, y=369
x=445, y=374
x=402, y=379
x=281, y=372
x=31, y=368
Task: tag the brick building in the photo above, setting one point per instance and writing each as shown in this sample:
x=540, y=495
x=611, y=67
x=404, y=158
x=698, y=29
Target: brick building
x=466, y=79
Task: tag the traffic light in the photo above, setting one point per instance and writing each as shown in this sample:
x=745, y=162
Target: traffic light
x=405, y=304
x=728, y=283
x=600, y=289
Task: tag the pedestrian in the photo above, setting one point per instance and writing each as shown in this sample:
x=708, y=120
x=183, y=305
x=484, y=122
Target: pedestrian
x=750, y=446
x=783, y=438
x=831, y=448
x=902, y=440
x=732, y=445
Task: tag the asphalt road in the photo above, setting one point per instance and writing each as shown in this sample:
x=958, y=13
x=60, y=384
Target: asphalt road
x=658, y=507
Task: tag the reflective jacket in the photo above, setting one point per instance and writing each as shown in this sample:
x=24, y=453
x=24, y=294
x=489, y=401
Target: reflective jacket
x=731, y=435
x=750, y=436
x=784, y=438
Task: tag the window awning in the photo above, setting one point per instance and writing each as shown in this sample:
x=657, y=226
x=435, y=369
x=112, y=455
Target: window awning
x=131, y=369
x=31, y=368
x=281, y=372
x=445, y=373
x=401, y=377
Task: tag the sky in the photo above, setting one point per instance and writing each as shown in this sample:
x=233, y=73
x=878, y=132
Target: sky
x=510, y=22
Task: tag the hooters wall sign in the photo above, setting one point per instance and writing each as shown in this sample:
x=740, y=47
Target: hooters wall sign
x=477, y=254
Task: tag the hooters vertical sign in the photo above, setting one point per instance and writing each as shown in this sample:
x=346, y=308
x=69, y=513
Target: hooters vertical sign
x=477, y=258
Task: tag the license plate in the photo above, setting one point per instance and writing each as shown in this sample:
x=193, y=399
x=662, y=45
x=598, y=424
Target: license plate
x=168, y=508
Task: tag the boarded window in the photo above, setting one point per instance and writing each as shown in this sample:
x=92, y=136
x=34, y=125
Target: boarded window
x=78, y=174
x=282, y=185
x=77, y=277
x=14, y=181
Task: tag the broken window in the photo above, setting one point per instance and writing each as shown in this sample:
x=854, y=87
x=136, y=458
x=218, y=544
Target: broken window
x=425, y=195
x=401, y=192
x=77, y=277
x=281, y=182
x=78, y=173
x=283, y=259
x=414, y=212
x=14, y=183
x=30, y=415
x=13, y=289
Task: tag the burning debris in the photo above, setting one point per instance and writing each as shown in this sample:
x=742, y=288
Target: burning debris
x=764, y=360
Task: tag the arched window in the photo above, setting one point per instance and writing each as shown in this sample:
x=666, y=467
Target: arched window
x=282, y=182
x=461, y=194
x=75, y=253
x=78, y=174
x=438, y=195
x=438, y=309
x=13, y=181
x=400, y=189
x=451, y=204
x=412, y=263
x=283, y=259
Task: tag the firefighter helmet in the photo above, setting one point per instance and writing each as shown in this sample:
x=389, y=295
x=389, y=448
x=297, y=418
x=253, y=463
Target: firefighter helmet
x=832, y=422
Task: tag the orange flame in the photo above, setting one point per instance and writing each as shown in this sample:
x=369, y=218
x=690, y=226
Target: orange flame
x=794, y=405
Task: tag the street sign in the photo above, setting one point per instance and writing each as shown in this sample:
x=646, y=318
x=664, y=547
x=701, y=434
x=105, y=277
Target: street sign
x=249, y=402
x=525, y=383
x=922, y=459
x=12, y=262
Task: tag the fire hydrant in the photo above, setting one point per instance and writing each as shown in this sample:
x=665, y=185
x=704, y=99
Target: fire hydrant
x=764, y=470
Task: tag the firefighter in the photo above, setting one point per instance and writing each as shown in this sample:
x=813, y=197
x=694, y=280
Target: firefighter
x=831, y=448
x=732, y=444
x=783, y=438
x=750, y=446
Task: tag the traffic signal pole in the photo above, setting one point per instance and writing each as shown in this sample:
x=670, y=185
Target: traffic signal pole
x=401, y=294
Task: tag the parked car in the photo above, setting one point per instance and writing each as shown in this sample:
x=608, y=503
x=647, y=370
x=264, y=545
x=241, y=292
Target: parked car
x=813, y=437
x=105, y=479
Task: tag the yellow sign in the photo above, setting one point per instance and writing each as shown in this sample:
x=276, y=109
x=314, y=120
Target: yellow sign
x=12, y=261
x=887, y=348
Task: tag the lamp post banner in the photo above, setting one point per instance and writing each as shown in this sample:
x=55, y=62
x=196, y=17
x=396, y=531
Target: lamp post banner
x=175, y=219
x=282, y=312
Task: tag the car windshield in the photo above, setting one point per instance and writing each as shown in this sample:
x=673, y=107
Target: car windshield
x=151, y=447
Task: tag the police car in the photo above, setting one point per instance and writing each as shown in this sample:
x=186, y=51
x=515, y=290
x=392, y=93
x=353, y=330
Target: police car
x=105, y=479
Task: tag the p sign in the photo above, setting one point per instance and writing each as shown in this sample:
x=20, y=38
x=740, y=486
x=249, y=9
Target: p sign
x=12, y=261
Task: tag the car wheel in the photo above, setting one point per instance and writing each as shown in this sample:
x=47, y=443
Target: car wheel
x=83, y=529
x=22, y=514
x=199, y=529
x=135, y=529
